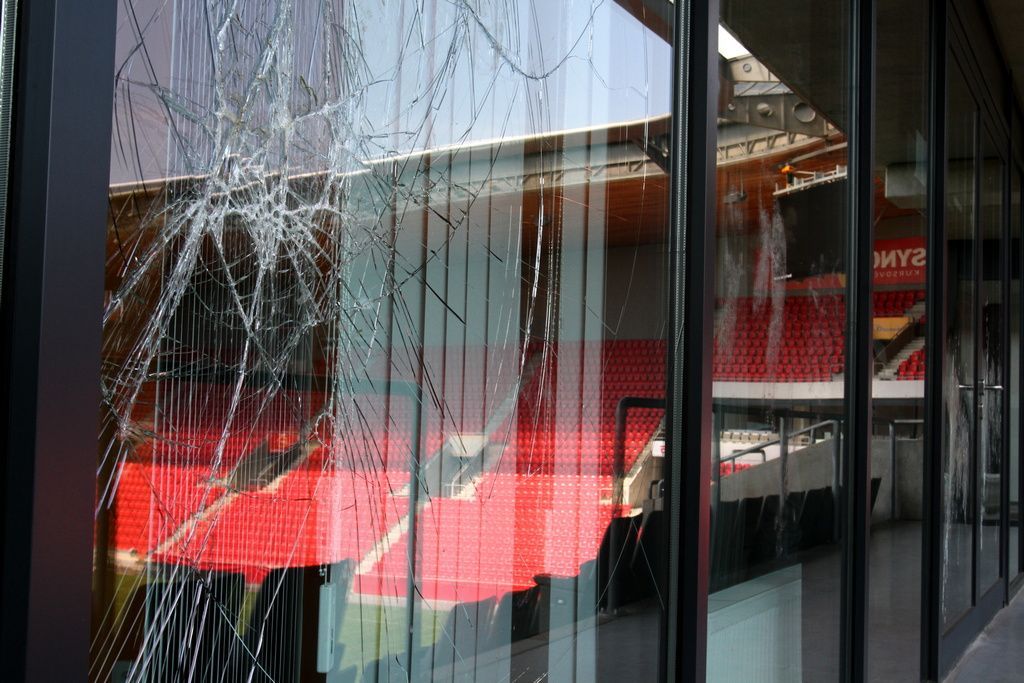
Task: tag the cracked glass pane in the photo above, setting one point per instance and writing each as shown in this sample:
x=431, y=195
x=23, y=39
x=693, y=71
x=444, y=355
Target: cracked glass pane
x=384, y=342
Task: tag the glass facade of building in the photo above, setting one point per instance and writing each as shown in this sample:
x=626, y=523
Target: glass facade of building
x=510, y=340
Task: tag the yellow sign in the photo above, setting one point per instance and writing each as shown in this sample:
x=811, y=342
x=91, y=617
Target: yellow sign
x=887, y=328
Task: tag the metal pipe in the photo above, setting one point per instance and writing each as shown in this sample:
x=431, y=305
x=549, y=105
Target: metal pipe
x=892, y=471
x=783, y=462
x=836, y=471
x=716, y=461
x=893, y=463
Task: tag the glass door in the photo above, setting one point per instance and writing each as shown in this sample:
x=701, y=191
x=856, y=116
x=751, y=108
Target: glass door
x=958, y=359
x=991, y=364
x=975, y=358
x=1012, y=392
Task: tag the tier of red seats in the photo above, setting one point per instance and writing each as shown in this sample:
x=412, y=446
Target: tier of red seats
x=338, y=507
x=200, y=424
x=732, y=467
x=206, y=422
x=912, y=367
x=896, y=302
x=152, y=501
x=558, y=413
x=544, y=513
x=306, y=518
x=801, y=340
x=757, y=340
x=515, y=528
x=565, y=415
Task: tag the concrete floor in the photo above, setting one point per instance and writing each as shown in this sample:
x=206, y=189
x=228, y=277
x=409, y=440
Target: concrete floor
x=894, y=611
x=997, y=656
x=626, y=647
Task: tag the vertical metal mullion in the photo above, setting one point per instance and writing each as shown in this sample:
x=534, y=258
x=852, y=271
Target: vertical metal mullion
x=977, y=268
x=1015, y=179
x=931, y=585
x=691, y=273
x=860, y=245
x=1019, y=560
x=860, y=360
x=51, y=332
x=1004, y=360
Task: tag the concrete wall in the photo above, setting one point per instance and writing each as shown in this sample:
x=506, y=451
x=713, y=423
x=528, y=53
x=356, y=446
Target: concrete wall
x=811, y=468
x=635, y=292
x=765, y=612
x=808, y=468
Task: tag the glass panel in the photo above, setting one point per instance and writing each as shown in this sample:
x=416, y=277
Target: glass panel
x=1013, y=376
x=897, y=461
x=779, y=344
x=384, y=356
x=991, y=365
x=959, y=358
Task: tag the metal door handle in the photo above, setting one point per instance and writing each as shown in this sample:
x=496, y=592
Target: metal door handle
x=994, y=387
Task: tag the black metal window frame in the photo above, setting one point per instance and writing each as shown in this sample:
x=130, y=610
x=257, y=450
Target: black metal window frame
x=691, y=316
x=931, y=556
x=50, y=334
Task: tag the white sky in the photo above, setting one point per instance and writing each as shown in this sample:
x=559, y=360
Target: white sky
x=728, y=46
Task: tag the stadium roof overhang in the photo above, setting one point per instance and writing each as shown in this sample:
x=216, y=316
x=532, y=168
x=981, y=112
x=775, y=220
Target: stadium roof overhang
x=782, y=42
x=656, y=15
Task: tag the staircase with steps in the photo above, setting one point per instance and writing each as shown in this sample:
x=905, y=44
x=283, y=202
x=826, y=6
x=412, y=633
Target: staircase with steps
x=890, y=371
x=916, y=311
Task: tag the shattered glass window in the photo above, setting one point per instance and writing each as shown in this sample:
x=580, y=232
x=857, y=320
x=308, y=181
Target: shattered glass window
x=384, y=342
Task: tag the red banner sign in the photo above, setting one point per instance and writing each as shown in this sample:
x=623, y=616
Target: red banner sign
x=897, y=262
x=900, y=261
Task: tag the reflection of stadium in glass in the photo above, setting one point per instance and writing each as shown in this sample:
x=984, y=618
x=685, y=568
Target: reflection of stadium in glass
x=780, y=396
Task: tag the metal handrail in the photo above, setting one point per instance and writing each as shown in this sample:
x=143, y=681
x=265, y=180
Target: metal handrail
x=747, y=451
x=903, y=336
x=761, y=446
x=783, y=442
